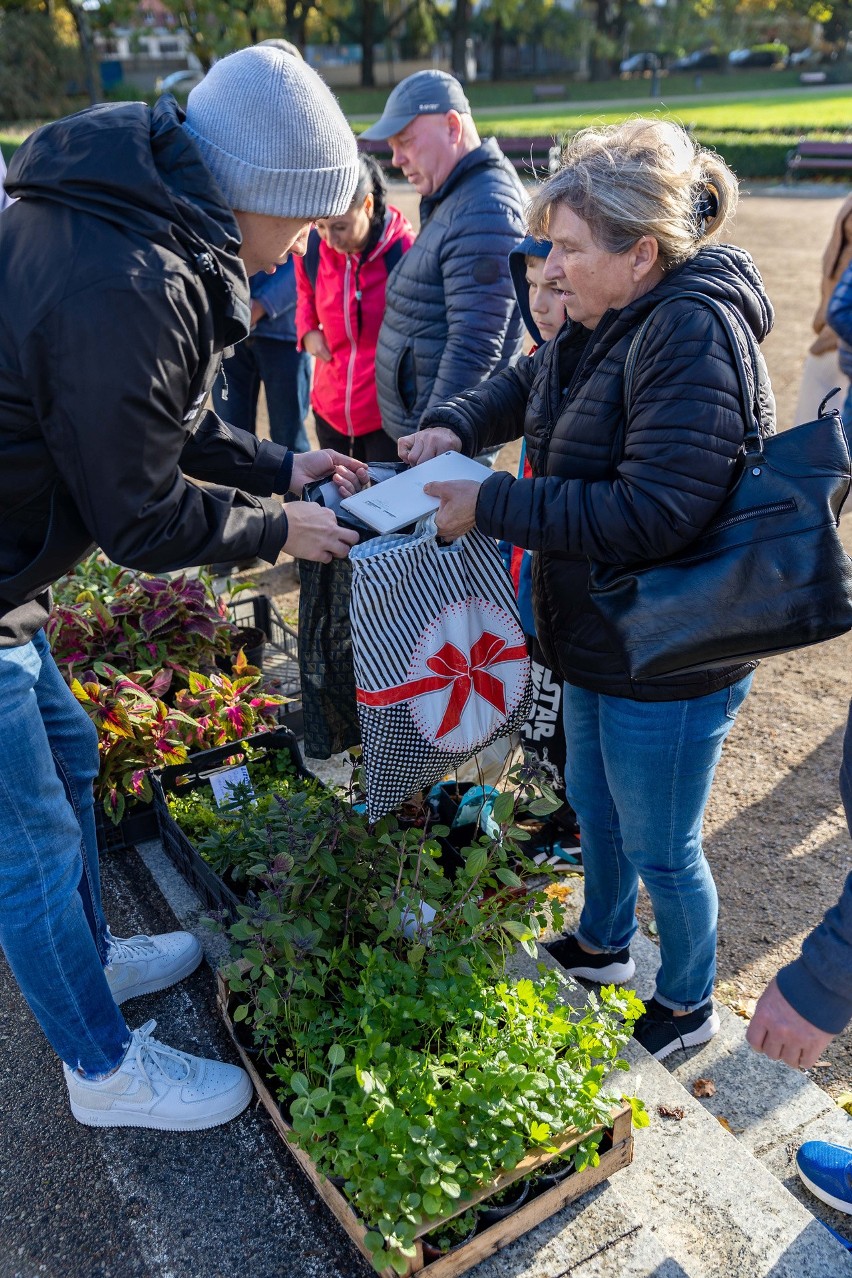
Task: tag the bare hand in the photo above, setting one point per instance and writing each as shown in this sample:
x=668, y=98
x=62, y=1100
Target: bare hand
x=321, y=464
x=315, y=344
x=429, y=443
x=457, y=513
x=779, y=1032
x=258, y=311
x=314, y=533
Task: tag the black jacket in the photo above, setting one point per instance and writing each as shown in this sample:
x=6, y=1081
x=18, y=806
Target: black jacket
x=450, y=313
x=120, y=287
x=684, y=431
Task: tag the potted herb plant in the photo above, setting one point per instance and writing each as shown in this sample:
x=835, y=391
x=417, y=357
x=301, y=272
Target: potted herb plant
x=450, y=1236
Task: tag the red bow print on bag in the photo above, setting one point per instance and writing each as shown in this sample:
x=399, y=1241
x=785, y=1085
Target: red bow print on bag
x=461, y=674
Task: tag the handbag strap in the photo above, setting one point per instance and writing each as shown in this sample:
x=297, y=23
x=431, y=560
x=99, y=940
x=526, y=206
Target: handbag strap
x=749, y=394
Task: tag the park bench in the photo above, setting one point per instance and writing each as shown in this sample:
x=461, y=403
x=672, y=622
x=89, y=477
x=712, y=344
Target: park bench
x=822, y=157
x=541, y=92
x=531, y=156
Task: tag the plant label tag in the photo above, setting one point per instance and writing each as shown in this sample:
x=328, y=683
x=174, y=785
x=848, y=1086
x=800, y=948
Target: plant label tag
x=224, y=783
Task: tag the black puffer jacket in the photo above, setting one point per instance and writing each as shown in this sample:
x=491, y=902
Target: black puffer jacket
x=684, y=431
x=120, y=286
x=451, y=318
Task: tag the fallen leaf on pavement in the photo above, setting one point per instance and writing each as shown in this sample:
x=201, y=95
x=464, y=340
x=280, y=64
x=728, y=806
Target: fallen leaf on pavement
x=670, y=1111
x=724, y=1123
x=703, y=1087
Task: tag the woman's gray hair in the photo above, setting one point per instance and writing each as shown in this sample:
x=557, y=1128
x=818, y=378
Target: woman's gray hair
x=642, y=177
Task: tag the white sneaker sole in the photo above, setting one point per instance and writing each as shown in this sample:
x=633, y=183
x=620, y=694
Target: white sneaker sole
x=189, y=965
x=703, y=1034
x=839, y=1204
x=614, y=974
x=200, y=1123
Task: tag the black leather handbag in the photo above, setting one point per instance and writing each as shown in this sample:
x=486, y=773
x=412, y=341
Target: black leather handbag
x=769, y=574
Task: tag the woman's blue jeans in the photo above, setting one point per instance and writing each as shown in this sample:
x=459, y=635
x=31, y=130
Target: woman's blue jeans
x=638, y=776
x=52, y=926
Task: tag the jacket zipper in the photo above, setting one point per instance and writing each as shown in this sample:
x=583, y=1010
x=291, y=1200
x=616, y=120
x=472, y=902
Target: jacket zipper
x=350, y=371
x=753, y=512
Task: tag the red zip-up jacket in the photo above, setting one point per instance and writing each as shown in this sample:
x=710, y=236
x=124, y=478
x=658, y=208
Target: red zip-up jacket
x=344, y=390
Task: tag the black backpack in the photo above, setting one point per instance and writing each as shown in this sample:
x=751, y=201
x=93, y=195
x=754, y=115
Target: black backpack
x=311, y=258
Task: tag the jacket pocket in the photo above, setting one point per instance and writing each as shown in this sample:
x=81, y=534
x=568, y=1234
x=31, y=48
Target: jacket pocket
x=405, y=379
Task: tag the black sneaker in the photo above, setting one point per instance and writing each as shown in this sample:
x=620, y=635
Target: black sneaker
x=661, y=1032
x=606, y=969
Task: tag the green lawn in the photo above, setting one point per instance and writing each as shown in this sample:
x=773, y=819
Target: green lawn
x=785, y=113
x=369, y=102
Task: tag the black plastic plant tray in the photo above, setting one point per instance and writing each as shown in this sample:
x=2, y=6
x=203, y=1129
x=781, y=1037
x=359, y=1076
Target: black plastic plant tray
x=137, y=825
x=179, y=778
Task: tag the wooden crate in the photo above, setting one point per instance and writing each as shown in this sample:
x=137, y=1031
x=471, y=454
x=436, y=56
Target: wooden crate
x=618, y=1154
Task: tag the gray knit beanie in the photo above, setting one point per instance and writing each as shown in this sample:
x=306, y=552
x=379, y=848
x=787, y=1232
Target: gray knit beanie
x=273, y=136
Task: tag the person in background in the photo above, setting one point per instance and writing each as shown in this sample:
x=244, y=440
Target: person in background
x=827, y=365
x=5, y=201
x=839, y=316
x=806, y=1005
x=543, y=735
x=269, y=355
x=124, y=266
x=451, y=318
x=631, y=215
x=341, y=283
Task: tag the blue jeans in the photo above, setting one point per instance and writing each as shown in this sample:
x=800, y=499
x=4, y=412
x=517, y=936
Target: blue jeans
x=52, y=926
x=286, y=376
x=638, y=776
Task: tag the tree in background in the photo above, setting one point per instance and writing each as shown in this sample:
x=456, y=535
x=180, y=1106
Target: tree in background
x=40, y=61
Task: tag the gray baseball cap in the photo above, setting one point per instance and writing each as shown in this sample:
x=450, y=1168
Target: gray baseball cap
x=424, y=93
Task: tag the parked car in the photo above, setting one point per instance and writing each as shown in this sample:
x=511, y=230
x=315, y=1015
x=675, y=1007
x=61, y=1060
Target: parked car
x=760, y=55
x=178, y=82
x=701, y=60
x=639, y=63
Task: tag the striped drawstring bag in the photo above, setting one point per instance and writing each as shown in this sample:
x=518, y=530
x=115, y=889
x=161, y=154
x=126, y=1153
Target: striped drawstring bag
x=441, y=665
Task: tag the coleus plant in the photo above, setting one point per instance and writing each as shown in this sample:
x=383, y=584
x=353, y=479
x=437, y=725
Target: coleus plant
x=142, y=623
x=138, y=731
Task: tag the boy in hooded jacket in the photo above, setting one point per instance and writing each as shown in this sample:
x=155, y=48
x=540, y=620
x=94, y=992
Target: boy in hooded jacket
x=543, y=735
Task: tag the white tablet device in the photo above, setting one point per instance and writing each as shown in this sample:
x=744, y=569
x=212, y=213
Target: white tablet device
x=400, y=501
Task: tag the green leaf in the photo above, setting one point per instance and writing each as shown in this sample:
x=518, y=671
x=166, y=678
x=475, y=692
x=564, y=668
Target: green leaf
x=520, y=931
x=471, y=913
x=509, y=877
x=300, y=1084
x=504, y=808
x=336, y=1054
x=415, y=955
x=241, y=1012
x=476, y=861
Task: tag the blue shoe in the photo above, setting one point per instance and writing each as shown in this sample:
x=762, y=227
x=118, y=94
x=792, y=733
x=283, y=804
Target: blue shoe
x=826, y=1170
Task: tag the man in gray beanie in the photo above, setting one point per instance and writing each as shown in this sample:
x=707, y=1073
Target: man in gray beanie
x=123, y=279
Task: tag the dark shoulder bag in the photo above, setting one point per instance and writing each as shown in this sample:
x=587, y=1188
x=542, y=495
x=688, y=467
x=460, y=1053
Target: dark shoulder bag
x=769, y=574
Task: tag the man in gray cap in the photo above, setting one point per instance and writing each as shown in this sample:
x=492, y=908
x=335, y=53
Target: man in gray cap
x=451, y=317
x=124, y=272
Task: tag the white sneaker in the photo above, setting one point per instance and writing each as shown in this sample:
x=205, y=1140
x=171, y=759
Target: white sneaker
x=143, y=964
x=158, y=1087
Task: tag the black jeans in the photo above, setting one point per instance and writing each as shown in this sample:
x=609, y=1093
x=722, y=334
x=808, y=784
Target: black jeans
x=375, y=446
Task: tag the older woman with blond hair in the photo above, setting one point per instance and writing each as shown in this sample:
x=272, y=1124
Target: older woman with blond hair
x=631, y=216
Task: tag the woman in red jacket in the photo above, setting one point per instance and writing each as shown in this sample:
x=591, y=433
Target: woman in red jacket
x=341, y=301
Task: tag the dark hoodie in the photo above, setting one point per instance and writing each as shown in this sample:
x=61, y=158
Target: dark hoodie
x=683, y=435
x=528, y=247
x=120, y=286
